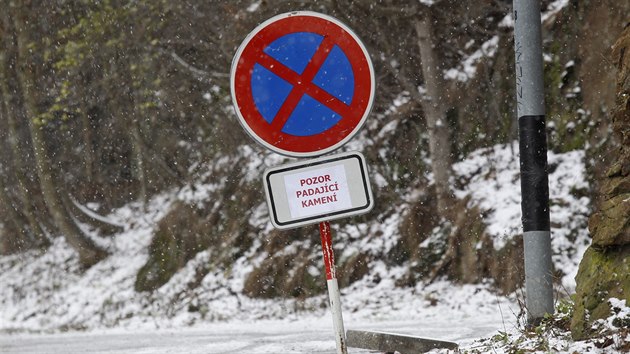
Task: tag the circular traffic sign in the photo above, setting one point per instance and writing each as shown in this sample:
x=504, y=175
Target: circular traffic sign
x=302, y=84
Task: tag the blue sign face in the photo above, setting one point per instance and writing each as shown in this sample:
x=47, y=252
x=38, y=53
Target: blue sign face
x=310, y=116
x=302, y=84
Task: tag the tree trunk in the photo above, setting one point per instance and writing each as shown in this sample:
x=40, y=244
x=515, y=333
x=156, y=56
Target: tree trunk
x=15, y=241
x=87, y=135
x=89, y=252
x=12, y=110
x=435, y=108
x=129, y=120
x=138, y=152
x=12, y=240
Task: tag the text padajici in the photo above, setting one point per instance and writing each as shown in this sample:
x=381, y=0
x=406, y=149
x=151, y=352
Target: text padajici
x=314, y=187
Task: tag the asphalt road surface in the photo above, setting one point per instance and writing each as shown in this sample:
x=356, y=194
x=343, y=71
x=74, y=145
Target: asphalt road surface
x=277, y=337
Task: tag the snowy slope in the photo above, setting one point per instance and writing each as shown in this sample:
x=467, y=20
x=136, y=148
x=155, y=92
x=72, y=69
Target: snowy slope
x=46, y=292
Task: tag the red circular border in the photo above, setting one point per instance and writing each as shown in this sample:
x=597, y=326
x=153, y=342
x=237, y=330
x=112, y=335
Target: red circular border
x=253, y=50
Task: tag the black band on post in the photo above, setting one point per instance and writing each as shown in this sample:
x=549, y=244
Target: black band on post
x=534, y=173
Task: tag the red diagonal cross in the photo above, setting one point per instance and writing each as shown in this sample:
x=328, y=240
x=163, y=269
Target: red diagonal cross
x=302, y=84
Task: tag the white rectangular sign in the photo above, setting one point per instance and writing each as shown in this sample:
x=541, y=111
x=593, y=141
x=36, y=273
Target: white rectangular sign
x=317, y=190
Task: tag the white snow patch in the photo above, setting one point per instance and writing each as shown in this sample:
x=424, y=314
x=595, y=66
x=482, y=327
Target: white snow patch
x=491, y=177
x=553, y=9
x=254, y=6
x=468, y=67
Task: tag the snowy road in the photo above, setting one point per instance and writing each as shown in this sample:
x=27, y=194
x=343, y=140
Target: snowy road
x=309, y=336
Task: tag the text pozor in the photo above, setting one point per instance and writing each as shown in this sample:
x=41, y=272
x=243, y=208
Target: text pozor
x=314, y=180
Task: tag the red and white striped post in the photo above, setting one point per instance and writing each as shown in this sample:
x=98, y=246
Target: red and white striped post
x=334, y=296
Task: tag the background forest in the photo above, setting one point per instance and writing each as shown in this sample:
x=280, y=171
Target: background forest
x=115, y=104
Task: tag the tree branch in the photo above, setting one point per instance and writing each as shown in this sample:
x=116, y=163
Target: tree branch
x=196, y=71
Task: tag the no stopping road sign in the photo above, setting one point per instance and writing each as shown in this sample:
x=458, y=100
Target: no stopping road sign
x=302, y=84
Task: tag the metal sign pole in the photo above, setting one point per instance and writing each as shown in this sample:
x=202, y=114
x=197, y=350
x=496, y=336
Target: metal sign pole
x=302, y=85
x=533, y=159
x=333, y=288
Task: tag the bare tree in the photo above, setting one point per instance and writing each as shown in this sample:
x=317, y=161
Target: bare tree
x=435, y=106
x=417, y=60
x=9, y=241
x=89, y=252
x=9, y=92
